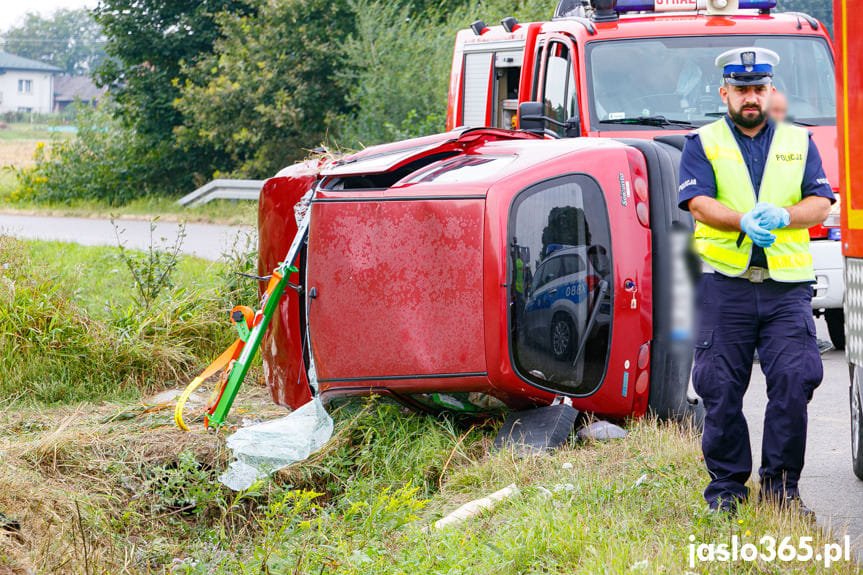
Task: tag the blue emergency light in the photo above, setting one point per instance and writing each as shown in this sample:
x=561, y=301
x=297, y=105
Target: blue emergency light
x=678, y=5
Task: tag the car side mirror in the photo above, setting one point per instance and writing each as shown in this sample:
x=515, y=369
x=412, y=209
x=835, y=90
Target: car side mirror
x=530, y=117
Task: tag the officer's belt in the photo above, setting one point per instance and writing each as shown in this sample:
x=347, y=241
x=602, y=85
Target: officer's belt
x=754, y=274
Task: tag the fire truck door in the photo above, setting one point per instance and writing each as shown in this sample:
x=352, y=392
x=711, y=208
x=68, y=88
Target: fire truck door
x=557, y=87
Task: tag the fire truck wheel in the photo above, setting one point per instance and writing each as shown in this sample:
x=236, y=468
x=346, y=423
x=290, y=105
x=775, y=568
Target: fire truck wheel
x=856, y=421
x=562, y=337
x=836, y=326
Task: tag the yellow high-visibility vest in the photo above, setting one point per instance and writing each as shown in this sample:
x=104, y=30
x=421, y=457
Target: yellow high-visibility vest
x=519, y=275
x=788, y=259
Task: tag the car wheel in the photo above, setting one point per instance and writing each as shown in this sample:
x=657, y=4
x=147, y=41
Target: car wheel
x=856, y=422
x=562, y=337
x=836, y=326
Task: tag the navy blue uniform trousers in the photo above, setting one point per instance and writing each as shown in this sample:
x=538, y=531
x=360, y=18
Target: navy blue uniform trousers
x=736, y=317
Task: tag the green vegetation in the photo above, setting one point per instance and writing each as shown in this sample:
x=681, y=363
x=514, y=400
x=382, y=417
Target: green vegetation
x=26, y=131
x=71, y=330
x=149, y=501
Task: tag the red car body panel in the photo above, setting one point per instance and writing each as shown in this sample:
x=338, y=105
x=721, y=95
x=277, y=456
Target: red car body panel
x=401, y=280
x=849, y=33
x=282, y=345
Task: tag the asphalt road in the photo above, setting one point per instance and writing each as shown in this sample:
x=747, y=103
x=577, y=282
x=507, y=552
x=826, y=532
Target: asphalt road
x=207, y=241
x=828, y=485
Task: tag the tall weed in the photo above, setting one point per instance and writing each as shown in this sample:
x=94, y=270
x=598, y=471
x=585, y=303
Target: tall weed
x=52, y=350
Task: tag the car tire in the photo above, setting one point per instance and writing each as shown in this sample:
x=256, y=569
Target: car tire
x=563, y=337
x=856, y=396
x=836, y=326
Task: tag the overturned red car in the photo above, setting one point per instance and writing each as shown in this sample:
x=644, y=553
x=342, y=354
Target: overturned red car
x=484, y=269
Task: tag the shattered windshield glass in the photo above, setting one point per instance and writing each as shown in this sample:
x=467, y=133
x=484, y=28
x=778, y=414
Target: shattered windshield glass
x=675, y=78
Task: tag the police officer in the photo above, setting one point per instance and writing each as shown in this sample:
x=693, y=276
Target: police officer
x=754, y=186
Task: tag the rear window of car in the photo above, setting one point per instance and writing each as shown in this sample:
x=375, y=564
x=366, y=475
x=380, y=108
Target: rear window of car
x=559, y=284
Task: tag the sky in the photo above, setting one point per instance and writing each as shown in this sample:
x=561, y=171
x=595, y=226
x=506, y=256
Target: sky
x=13, y=11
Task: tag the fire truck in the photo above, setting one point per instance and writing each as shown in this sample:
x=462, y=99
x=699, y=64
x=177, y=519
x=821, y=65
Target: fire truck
x=643, y=69
x=849, y=80
x=507, y=262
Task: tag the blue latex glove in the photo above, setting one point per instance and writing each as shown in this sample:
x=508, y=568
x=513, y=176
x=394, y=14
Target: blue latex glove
x=750, y=225
x=771, y=217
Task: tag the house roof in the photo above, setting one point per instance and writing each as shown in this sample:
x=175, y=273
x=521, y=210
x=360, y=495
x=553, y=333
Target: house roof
x=67, y=88
x=12, y=62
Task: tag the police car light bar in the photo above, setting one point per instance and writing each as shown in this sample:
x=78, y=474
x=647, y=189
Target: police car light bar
x=684, y=5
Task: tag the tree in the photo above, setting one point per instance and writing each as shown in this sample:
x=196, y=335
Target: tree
x=270, y=90
x=68, y=39
x=819, y=9
x=150, y=44
x=353, y=72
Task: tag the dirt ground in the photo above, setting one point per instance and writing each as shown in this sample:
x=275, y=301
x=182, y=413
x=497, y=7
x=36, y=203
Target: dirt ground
x=68, y=472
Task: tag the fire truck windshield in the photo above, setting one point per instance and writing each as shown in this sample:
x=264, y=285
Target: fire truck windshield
x=675, y=78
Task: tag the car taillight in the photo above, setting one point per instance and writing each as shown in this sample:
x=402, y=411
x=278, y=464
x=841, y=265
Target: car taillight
x=641, y=188
x=643, y=356
x=643, y=215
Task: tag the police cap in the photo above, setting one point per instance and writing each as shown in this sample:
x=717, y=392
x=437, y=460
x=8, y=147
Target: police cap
x=747, y=66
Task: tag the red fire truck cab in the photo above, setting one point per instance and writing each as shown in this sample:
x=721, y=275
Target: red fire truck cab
x=483, y=269
x=645, y=68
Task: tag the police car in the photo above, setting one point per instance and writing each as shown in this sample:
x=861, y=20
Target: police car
x=558, y=305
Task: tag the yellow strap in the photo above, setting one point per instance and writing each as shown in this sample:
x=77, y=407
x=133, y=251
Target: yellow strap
x=788, y=261
x=218, y=364
x=724, y=255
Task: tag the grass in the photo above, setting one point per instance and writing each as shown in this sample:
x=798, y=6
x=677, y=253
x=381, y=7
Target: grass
x=27, y=131
x=70, y=330
x=102, y=482
x=216, y=211
x=149, y=501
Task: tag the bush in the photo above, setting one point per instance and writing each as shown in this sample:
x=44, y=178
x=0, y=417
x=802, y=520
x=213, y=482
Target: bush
x=106, y=162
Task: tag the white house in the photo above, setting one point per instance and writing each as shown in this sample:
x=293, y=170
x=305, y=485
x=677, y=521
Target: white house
x=26, y=85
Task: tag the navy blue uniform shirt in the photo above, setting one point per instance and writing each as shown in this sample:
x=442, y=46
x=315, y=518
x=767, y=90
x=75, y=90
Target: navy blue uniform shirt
x=697, y=177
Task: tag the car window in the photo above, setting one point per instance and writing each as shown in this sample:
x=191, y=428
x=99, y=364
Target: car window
x=558, y=74
x=553, y=226
x=572, y=264
x=550, y=271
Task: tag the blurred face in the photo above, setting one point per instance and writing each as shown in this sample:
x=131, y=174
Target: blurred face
x=747, y=105
x=778, y=107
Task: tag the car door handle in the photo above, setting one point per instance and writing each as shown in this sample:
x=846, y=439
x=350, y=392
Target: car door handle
x=552, y=291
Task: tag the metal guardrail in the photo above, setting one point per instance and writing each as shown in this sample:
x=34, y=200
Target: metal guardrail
x=223, y=190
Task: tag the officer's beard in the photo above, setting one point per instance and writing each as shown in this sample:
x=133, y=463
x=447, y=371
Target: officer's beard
x=752, y=121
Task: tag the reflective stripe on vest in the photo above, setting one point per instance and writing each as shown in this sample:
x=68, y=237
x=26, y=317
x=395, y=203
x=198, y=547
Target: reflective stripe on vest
x=788, y=259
